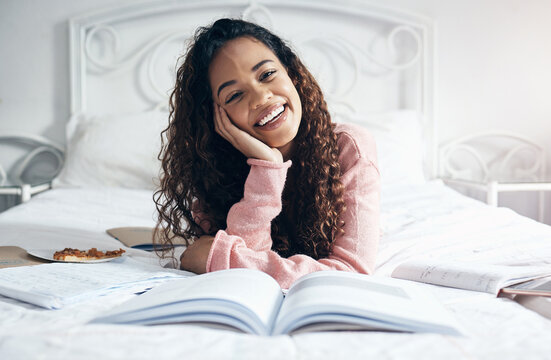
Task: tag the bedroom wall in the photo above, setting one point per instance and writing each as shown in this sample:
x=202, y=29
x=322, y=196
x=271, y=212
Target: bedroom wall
x=492, y=68
x=493, y=73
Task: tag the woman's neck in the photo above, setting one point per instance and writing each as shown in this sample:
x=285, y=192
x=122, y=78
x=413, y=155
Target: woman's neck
x=287, y=150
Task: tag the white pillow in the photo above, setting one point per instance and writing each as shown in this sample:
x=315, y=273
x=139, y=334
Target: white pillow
x=113, y=150
x=398, y=136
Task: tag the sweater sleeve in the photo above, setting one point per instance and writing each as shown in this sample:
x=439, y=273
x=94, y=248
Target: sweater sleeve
x=251, y=218
x=354, y=250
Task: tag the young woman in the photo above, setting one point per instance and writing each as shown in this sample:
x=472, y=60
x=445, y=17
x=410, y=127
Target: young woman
x=254, y=173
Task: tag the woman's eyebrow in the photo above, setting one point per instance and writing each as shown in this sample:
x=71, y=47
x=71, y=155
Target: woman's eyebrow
x=254, y=68
x=227, y=83
x=231, y=82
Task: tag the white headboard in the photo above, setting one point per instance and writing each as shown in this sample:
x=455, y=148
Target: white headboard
x=367, y=59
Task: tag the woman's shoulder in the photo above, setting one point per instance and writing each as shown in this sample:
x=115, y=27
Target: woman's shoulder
x=354, y=142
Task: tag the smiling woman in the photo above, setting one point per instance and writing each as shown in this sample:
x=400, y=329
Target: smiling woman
x=255, y=174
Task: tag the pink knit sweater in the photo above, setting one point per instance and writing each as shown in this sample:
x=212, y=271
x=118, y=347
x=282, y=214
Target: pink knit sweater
x=246, y=243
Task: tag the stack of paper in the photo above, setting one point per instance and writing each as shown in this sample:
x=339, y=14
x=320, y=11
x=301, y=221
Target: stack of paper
x=55, y=285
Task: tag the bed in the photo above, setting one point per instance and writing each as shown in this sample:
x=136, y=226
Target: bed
x=376, y=68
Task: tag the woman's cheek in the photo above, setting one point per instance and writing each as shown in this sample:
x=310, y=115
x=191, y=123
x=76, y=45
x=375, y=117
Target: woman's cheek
x=239, y=119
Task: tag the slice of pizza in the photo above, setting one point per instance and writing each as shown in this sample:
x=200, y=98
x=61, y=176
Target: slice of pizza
x=69, y=254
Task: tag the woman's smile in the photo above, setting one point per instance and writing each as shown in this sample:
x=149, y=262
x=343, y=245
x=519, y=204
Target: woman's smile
x=273, y=114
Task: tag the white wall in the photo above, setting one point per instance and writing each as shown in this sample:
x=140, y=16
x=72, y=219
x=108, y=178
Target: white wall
x=493, y=72
x=493, y=65
x=34, y=66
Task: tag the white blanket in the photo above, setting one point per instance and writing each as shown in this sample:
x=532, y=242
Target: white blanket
x=418, y=221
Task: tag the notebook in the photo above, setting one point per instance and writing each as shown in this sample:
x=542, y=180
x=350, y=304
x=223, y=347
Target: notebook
x=12, y=256
x=137, y=237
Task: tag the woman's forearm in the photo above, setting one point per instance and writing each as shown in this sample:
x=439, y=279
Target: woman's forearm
x=251, y=217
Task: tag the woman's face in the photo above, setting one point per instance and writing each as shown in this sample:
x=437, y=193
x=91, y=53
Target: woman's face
x=252, y=86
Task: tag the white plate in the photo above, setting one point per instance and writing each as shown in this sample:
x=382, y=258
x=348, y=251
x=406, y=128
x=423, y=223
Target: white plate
x=48, y=254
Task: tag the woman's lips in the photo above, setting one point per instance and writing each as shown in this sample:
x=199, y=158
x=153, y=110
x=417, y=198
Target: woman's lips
x=276, y=122
x=268, y=111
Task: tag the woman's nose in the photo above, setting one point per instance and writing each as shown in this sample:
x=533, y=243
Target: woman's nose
x=261, y=95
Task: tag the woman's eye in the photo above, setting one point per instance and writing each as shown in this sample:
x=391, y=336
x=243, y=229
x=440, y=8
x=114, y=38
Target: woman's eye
x=267, y=74
x=233, y=97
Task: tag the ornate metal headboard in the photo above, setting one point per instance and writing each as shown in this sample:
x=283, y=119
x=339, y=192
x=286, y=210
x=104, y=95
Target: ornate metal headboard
x=38, y=160
x=493, y=156
x=33, y=147
x=367, y=59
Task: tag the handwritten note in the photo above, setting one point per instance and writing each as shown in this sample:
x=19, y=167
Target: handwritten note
x=55, y=285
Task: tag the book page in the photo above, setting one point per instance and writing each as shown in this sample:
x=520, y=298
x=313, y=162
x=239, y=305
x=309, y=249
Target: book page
x=351, y=301
x=250, y=296
x=57, y=284
x=469, y=276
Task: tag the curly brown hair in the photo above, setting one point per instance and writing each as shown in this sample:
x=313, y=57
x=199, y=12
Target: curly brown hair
x=203, y=172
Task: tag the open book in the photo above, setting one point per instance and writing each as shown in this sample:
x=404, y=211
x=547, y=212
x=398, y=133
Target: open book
x=252, y=301
x=470, y=276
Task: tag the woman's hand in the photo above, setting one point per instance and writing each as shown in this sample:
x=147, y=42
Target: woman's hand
x=242, y=141
x=194, y=258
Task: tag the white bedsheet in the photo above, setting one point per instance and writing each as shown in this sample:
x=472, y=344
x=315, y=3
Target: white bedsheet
x=425, y=220
x=433, y=221
x=55, y=216
x=71, y=217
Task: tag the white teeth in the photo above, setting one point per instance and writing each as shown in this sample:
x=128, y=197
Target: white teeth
x=271, y=115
